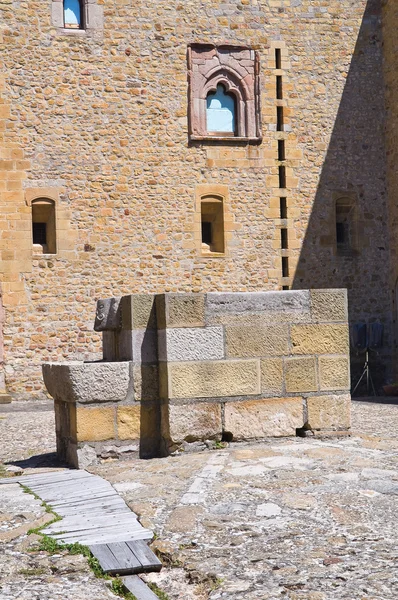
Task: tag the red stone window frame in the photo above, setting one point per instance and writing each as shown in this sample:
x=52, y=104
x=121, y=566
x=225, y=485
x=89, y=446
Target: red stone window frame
x=237, y=68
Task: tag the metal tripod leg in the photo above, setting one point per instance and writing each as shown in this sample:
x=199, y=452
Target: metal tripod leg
x=366, y=371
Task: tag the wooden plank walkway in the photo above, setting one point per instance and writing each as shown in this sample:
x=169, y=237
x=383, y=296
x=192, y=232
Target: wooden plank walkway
x=138, y=588
x=93, y=514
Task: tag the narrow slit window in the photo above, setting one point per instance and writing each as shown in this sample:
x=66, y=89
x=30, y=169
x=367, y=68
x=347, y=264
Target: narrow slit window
x=345, y=225
x=278, y=58
x=284, y=239
x=221, y=112
x=212, y=218
x=282, y=177
x=73, y=14
x=285, y=266
x=281, y=150
x=279, y=118
x=283, y=208
x=43, y=226
x=279, y=88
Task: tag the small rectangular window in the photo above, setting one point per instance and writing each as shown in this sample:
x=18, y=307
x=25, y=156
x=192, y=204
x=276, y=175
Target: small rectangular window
x=44, y=226
x=212, y=218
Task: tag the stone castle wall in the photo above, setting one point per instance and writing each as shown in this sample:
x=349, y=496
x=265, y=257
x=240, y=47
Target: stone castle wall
x=97, y=121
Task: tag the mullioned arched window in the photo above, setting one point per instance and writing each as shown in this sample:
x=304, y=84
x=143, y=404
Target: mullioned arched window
x=224, y=98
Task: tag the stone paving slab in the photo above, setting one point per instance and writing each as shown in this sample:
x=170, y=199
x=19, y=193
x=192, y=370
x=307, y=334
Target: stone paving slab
x=289, y=519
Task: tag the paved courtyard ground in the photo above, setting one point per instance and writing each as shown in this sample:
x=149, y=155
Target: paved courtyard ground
x=293, y=519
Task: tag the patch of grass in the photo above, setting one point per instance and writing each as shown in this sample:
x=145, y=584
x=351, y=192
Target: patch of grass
x=119, y=589
x=156, y=590
x=32, y=572
x=52, y=546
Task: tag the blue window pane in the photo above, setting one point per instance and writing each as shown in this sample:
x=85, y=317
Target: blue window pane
x=220, y=111
x=72, y=14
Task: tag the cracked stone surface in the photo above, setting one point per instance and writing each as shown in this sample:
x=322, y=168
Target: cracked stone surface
x=295, y=519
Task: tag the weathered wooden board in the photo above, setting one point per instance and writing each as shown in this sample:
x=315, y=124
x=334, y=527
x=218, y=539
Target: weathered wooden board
x=94, y=514
x=138, y=588
x=147, y=558
x=131, y=557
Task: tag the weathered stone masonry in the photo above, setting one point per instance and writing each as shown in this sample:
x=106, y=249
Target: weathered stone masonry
x=192, y=367
x=97, y=121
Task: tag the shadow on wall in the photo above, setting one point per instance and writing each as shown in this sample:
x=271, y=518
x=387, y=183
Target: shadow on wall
x=346, y=241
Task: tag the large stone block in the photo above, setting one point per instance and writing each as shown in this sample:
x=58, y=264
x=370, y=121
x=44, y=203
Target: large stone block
x=191, y=422
x=319, y=339
x=196, y=343
x=146, y=382
x=249, y=341
x=138, y=311
x=301, y=374
x=87, y=382
x=329, y=412
x=181, y=310
x=334, y=373
x=95, y=424
x=257, y=308
x=329, y=305
x=139, y=345
x=252, y=419
x=129, y=422
x=271, y=375
x=214, y=379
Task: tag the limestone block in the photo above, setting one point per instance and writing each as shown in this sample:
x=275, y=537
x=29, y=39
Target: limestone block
x=301, y=374
x=146, y=386
x=247, y=340
x=329, y=305
x=196, y=343
x=319, y=339
x=129, y=422
x=263, y=418
x=334, y=373
x=329, y=412
x=95, y=424
x=214, y=379
x=271, y=375
x=183, y=310
x=108, y=317
x=87, y=382
x=139, y=345
x=138, y=311
x=258, y=307
x=191, y=422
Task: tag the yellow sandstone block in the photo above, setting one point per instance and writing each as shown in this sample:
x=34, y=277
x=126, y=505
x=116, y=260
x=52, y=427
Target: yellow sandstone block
x=129, y=422
x=301, y=375
x=95, y=424
x=319, y=339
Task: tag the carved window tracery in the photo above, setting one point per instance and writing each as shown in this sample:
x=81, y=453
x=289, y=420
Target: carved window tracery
x=235, y=70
